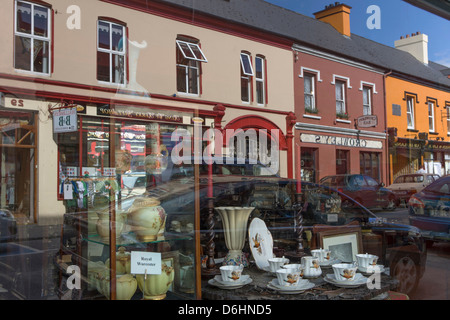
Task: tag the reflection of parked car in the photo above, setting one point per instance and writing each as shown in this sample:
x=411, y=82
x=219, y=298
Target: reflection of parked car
x=8, y=226
x=364, y=189
x=406, y=185
x=399, y=247
x=429, y=210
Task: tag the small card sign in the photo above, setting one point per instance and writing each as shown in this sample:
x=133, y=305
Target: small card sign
x=145, y=262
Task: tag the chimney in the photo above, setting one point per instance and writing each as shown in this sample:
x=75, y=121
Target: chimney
x=416, y=44
x=338, y=15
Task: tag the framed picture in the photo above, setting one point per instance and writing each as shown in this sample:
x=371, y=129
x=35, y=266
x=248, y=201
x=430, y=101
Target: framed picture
x=344, y=244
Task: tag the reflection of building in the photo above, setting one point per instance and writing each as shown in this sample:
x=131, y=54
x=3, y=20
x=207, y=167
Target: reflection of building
x=133, y=94
x=333, y=90
x=417, y=104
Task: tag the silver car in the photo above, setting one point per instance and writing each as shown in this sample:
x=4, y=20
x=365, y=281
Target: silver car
x=406, y=185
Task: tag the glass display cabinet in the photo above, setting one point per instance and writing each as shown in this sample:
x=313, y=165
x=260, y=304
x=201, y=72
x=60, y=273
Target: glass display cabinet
x=129, y=231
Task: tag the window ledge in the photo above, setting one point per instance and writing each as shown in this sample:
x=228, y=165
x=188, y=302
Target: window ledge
x=311, y=117
x=343, y=121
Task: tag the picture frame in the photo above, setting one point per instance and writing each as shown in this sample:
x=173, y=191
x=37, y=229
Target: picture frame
x=343, y=243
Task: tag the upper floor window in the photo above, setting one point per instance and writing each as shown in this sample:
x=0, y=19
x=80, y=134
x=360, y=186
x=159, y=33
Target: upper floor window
x=367, y=100
x=410, y=112
x=111, y=52
x=431, y=115
x=448, y=118
x=309, y=90
x=340, y=98
x=32, y=37
x=246, y=77
x=189, y=58
x=260, y=78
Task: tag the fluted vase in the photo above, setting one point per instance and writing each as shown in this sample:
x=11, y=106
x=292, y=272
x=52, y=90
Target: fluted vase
x=235, y=220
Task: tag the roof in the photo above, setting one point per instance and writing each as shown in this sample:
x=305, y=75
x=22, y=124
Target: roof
x=308, y=31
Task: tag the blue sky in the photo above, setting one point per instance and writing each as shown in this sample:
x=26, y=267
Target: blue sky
x=397, y=18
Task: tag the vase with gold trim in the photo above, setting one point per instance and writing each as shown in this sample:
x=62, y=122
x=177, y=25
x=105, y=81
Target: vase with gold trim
x=155, y=286
x=234, y=221
x=147, y=219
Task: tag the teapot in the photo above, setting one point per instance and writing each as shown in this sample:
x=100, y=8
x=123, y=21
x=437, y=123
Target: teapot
x=311, y=267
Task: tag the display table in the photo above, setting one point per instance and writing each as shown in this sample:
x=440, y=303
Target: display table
x=258, y=290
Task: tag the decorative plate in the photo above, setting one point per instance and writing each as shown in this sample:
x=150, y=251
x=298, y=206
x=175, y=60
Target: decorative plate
x=261, y=243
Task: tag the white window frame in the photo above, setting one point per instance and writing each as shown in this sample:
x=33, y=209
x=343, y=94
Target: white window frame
x=312, y=93
x=245, y=58
x=261, y=80
x=367, y=105
x=192, y=49
x=410, y=111
x=431, y=117
x=448, y=119
x=112, y=52
x=342, y=84
x=246, y=75
x=34, y=37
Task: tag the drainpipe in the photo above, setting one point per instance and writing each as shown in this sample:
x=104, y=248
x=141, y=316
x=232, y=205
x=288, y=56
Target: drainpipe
x=389, y=160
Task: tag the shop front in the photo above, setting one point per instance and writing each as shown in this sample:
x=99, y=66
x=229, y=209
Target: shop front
x=350, y=151
x=409, y=155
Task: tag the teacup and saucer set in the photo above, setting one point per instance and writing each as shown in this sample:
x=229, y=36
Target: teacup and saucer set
x=325, y=258
x=230, y=277
x=290, y=280
x=345, y=276
x=367, y=263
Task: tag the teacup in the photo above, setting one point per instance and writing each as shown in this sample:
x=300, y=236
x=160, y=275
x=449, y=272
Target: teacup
x=231, y=273
x=366, y=260
x=321, y=254
x=288, y=277
x=276, y=263
x=344, y=271
x=294, y=267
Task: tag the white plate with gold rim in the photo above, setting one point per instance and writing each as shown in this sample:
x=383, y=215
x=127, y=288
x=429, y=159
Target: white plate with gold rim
x=358, y=281
x=261, y=243
x=217, y=284
x=241, y=280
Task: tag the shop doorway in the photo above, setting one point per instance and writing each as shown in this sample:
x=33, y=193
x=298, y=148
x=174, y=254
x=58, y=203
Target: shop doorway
x=17, y=165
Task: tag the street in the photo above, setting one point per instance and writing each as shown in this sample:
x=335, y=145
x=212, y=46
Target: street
x=435, y=283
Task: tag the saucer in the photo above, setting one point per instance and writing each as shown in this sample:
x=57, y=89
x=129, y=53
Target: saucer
x=261, y=243
x=215, y=283
x=372, y=269
x=242, y=279
x=329, y=263
x=302, y=286
x=358, y=281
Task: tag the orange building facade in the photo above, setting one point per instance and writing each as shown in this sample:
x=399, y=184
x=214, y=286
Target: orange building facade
x=418, y=123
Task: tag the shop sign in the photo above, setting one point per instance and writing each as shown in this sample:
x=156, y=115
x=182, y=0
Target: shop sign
x=341, y=141
x=367, y=121
x=65, y=120
x=141, y=114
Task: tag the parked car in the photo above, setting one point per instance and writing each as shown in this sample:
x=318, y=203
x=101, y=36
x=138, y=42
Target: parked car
x=364, y=189
x=406, y=185
x=429, y=210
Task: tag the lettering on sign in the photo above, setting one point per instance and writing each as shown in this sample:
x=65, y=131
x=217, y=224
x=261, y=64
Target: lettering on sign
x=341, y=141
x=367, y=121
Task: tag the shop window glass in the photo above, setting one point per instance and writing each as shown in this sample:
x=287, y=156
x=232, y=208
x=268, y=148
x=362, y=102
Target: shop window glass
x=32, y=38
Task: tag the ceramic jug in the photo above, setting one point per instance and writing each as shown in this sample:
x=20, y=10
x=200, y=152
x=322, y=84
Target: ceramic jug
x=311, y=267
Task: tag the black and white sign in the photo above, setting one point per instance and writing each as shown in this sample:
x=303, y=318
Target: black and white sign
x=145, y=262
x=341, y=141
x=65, y=120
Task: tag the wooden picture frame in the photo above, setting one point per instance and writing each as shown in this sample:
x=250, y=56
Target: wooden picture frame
x=343, y=243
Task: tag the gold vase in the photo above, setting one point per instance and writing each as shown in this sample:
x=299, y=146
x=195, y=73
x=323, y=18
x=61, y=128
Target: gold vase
x=148, y=219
